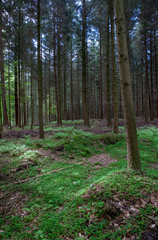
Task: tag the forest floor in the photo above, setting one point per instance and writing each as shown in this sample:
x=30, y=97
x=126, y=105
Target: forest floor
x=73, y=185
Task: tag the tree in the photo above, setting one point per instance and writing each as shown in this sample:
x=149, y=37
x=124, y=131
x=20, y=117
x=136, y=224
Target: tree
x=114, y=78
x=108, y=102
x=133, y=157
x=84, y=68
x=4, y=105
x=40, y=96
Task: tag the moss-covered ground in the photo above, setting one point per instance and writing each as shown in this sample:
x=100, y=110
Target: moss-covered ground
x=51, y=189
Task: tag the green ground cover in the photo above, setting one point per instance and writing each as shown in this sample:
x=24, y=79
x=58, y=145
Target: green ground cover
x=68, y=196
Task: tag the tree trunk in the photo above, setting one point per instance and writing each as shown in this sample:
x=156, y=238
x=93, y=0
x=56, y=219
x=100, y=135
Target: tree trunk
x=16, y=85
x=151, y=79
x=146, y=81
x=19, y=68
x=101, y=81
x=108, y=103
x=59, y=79
x=32, y=96
x=114, y=78
x=133, y=157
x=84, y=69
x=4, y=105
x=71, y=84
x=40, y=96
x=50, y=95
x=156, y=74
x=1, y=125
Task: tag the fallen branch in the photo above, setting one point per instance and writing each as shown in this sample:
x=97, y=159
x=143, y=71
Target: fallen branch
x=42, y=174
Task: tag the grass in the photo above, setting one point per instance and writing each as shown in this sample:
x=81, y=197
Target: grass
x=80, y=201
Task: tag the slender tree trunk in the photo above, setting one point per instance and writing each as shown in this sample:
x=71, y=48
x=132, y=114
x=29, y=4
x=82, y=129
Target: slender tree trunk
x=108, y=101
x=146, y=82
x=4, y=105
x=65, y=85
x=1, y=124
x=156, y=74
x=32, y=95
x=16, y=85
x=19, y=67
x=59, y=79
x=114, y=78
x=78, y=89
x=50, y=95
x=9, y=91
x=40, y=95
x=151, y=79
x=71, y=84
x=84, y=68
x=101, y=81
x=55, y=64
x=133, y=157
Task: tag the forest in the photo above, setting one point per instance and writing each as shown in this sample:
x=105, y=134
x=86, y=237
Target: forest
x=79, y=119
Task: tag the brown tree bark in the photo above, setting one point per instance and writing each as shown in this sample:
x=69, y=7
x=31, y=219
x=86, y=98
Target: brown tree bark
x=19, y=65
x=108, y=101
x=84, y=68
x=114, y=78
x=146, y=81
x=1, y=124
x=59, y=119
x=156, y=74
x=4, y=105
x=151, y=79
x=32, y=95
x=101, y=79
x=50, y=95
x=133, y=157
x=16, y=85
x=40, y=94
x=71, y=84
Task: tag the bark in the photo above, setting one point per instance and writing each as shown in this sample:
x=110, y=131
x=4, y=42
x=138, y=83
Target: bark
x=65, y=84
x=16, y=85
x=9, y=91
x=71, y=84
x=4, y=105
x=54, y=63
x=146, y=81
x=59, y=80
x=50, y=95
x=133, y=157
x=78, y=90
x=156, y=74
x=151, y=79
x=101, y=81
x=1, y=125
x=32, y=96
x=108, y=102
x=84, y=69
x=114, y=78
x=19, y=68
x=40, y=94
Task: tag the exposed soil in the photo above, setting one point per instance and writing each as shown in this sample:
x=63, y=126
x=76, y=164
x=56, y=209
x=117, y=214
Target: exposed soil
x=12, y=203
x=103, y=159
x=97, y=127
x=154, y=165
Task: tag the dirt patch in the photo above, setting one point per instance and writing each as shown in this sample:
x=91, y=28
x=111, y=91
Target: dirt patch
x=154, y=165
x=101, y=160
x=48, y=153
x=97, y=127
x=12, y=203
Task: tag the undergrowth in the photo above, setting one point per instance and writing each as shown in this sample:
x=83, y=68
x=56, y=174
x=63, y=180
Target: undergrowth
x=80, y=201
